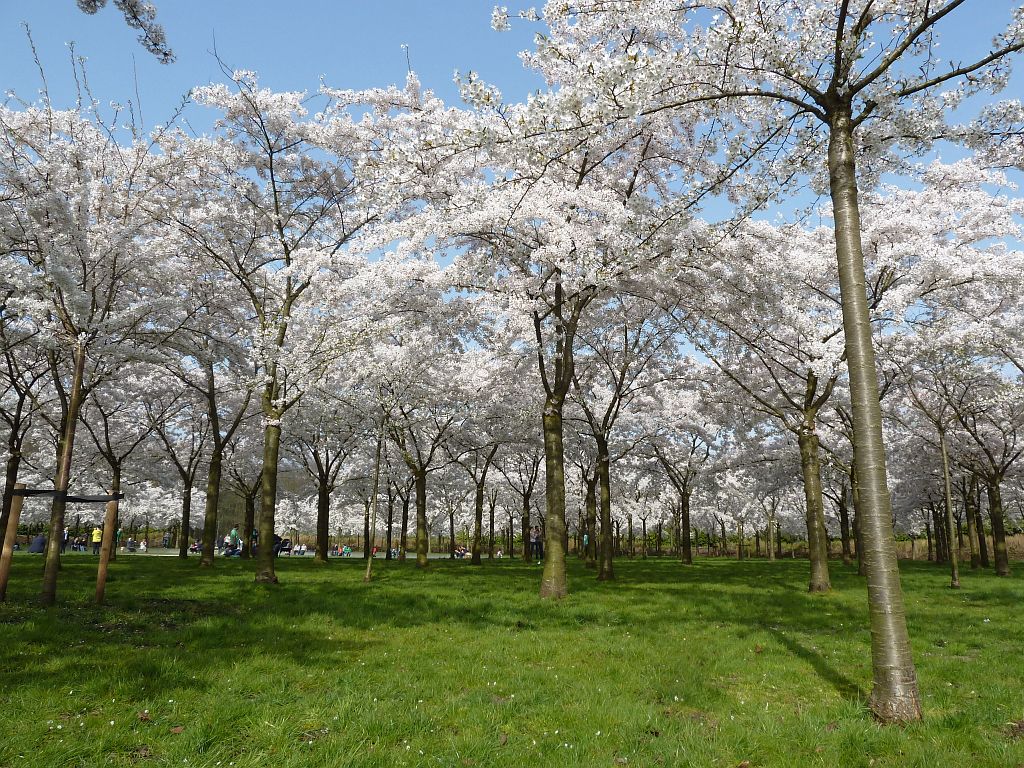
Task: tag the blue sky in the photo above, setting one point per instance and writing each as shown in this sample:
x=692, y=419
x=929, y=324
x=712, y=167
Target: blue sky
x=351, y=43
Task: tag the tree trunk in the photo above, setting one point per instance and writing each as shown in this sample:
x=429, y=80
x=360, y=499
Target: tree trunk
x=476, y=557
x=422, y=534
x=844, y=526
x=606, y=550
x=769, y=533
x=10, y=536
x=995, y=513
x=388, y=544
x=268, y=502
x=10, y=480
x=928, y=533
x=212, y=507
x=817, y=547
x=493, y=501
x=405, y=524
x=684, y=522
x=249, y=500
x=778, y=539
x=554, y=584
x=451, y=534
x=323, y=520
x=60, y=485
x=109, y=523
x=971, y=513
x=367, y=544
x=590, y=521
x=954, y=567
x=894, y=695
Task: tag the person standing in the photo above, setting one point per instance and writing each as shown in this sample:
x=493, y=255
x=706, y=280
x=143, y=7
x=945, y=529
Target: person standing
x=97, y=539
x=64, y=541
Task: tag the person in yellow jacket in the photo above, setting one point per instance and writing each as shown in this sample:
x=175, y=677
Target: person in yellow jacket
x=97, y=539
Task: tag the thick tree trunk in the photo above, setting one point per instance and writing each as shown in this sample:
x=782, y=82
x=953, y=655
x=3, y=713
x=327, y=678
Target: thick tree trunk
x=268, y=502
x=894, y=695
x=817, y=543
x=107, y=545
x=422, y=534
x=606, y=550
x=995, y=513
x=323, y=520
x=212, y=507
x=60, y=485
x=554, y=584
x=590, y=521
x=185, y=536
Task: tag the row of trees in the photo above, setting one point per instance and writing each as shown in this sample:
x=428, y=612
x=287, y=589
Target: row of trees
x=391, y=289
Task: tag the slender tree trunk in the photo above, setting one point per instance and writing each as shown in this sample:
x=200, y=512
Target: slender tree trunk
x=422, y=533
x=778, y=539
x=367, y=544
x=405, y=526
x=323, y=520
x=268, y=502
x=554, y=584
x=590, y=521
x=249, y=499
x=995, y=513
x=928, y=533
x=10, y=536
x=971, y=513
x=375, y=500
x=451, y=533
x=388, y=544
x=769, y=533
x=185, y=536
x=817, y=547
x=954, y=567
x=606, y=550
x=212, y=507
x=894, y=695
x=478, y=523
x=10, y=479
x=684, y=521
x=844, y=526
x=109, y=523
x=60, y=485
x=525, y=523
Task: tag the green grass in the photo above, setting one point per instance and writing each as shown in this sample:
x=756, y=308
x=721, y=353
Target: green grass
x=711, y=665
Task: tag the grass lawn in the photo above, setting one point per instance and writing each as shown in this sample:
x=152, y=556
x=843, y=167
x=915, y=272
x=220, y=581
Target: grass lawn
x=719, y=664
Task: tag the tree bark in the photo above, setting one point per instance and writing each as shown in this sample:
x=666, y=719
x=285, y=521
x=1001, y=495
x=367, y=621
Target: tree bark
x=422, y=534
x=323, y=520
x=212, y=508
x=817, y=545
x=250, y=524
x=10, y=479
x=10, y=535
x=684, y=522
x=606, y=552
x=107, y=545
x=388, y=544
x=60, y=485
x=405, y=526
x=894, y=695
x=554, y=583
x=590, y=521
x=995, y=513
x=268, y=502
x=844, y=526
x=971, y=512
